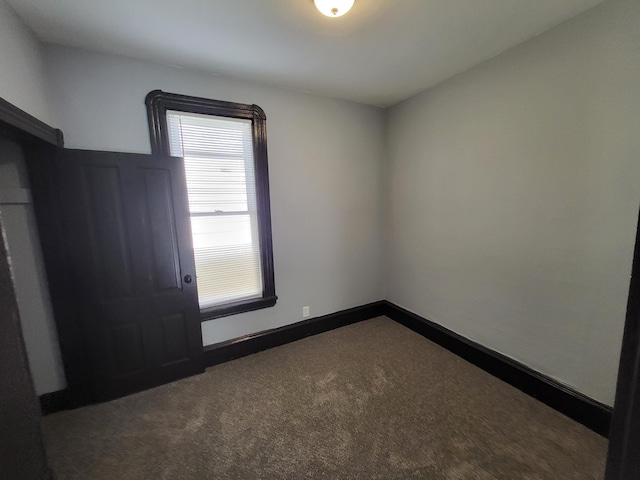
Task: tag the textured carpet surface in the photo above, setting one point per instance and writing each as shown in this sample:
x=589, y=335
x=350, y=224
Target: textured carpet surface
x=372, y=400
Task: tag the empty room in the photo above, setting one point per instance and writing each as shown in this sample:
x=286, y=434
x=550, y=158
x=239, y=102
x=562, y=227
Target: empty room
x=337, y=239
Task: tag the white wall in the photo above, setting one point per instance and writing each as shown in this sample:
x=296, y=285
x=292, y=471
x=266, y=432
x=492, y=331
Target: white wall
x=22, y=80
x=513, y=193
x=325, y=162
x=510, y=198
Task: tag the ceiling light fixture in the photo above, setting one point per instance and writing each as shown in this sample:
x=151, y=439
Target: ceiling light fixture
x=334, y=8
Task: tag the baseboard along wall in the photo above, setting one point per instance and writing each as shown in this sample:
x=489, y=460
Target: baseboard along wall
x=575, y=405
x=257, y=342
x=562, y=398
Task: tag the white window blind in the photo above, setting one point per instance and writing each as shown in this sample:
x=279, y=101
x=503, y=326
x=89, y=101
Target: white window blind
x=219, y=166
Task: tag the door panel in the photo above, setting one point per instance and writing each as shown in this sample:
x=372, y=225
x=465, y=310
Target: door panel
x=126, y=350
x=174, y=341
x=164, y=242
x=107, y=231
x=129, y=238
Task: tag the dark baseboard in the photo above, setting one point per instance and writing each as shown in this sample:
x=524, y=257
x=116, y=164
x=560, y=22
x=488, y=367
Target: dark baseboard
x=54, y=402
x=573, y=404
x=257, y=342
x=240, y=347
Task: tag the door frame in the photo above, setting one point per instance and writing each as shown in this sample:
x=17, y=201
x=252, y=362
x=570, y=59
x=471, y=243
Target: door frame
x=623, y=460
x=19, y=125
x=21, y=429
x=39, y=142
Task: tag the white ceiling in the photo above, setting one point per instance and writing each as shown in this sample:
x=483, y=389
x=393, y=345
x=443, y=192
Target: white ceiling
x=381, y=52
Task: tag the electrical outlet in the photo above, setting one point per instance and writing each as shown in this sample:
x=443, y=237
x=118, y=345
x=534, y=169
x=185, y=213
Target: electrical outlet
x=305, y=312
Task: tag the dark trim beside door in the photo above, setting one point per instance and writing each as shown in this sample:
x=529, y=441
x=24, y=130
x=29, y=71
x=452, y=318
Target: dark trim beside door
x=589, y=412
x=45, y=191
x=257, y=342
x=17, y=122
x=623, y=461
x=55, y=402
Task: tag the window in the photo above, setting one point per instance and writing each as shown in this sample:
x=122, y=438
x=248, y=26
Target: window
x=225, y=156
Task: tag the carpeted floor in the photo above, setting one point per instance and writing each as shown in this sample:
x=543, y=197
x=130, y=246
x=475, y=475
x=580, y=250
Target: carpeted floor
x=372, y=400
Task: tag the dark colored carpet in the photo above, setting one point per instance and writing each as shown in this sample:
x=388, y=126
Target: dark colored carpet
x=372, y=400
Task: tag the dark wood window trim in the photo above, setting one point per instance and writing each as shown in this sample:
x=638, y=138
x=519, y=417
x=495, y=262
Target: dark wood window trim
x=158, y=102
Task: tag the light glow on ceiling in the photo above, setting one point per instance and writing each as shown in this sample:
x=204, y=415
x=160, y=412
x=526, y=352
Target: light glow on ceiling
x=334, y=8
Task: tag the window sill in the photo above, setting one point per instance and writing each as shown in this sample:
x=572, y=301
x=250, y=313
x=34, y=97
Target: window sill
x=237, y=307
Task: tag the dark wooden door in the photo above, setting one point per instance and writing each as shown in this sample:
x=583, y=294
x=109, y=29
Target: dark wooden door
x=131, y=264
